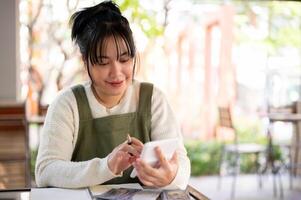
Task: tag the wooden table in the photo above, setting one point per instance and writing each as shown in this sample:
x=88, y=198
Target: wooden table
x=284, y=117
x=24, y=193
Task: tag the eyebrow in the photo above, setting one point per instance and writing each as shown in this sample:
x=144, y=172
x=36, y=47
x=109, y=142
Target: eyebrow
x=122, y=54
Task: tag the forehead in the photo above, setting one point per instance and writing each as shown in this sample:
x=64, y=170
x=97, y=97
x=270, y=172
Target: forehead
x=113, y=46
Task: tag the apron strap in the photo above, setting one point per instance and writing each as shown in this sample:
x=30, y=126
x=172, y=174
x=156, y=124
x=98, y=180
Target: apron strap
x=145, y=99
x=82, y=102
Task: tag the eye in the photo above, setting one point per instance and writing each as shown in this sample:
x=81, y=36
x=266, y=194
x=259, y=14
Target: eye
x=124, y=59
x=103, y=62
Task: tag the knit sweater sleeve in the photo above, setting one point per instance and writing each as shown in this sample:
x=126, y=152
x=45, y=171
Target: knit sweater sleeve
x=57, y=140
x=164, y=125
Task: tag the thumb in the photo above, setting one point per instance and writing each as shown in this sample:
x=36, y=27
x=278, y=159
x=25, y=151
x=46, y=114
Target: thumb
x=174, y=158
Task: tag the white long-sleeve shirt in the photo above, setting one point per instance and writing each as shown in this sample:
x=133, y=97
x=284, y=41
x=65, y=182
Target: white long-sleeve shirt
x=59, y=135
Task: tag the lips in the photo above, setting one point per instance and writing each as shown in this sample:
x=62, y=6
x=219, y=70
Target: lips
x=115, y=83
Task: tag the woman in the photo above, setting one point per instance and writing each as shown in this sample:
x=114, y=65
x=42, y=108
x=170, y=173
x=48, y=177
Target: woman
x=83, y=142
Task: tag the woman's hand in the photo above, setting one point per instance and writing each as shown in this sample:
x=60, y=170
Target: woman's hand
x=124, y=155
x=161, y=174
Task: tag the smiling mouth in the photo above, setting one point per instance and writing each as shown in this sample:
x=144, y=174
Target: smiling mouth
x=115, y=83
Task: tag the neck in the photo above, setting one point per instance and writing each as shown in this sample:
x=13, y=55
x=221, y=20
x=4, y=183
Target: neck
x=109, y=101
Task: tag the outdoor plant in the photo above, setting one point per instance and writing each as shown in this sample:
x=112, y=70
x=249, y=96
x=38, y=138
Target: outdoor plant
x=205, y=155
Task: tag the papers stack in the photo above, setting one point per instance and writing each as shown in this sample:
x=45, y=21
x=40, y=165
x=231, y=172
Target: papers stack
x=124, y=192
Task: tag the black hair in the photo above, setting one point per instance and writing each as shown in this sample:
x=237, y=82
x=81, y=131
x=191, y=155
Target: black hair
x=92, y=26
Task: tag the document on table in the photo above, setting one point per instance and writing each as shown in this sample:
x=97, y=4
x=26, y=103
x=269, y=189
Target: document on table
x=124, y=192
x=60, y=194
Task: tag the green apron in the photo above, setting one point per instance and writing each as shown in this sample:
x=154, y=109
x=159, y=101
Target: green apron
x=98, y=137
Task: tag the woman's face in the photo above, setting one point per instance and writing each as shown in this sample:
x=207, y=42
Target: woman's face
x=113, y=75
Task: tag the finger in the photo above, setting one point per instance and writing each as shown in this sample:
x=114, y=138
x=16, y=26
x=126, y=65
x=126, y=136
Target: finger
x=122, y=156
x=137, y=144
x=137, y=147
x=130, y=149
x=146, y=172
x=145, y=182
x=134, y=141
x=143, y=176
x=118, y=159
x=162, y=159
x=149, y=179
x=174, y=158
x=132, y=159
x=147, y=169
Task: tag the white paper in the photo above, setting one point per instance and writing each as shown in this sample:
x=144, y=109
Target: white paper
x=59, y=194
x=167, y=146
x=146, y=195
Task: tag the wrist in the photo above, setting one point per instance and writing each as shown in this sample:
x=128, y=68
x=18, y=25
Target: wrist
x=112, y=167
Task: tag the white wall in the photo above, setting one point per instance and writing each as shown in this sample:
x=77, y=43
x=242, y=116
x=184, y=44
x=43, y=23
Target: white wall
x=9, y=50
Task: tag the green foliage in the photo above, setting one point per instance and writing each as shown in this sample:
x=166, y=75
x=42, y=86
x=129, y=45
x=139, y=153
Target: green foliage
x=282, y=21
x=205, y=155
x=135, y=12
x=277, y=153
x=205, y=158
x=250, y=132
x=33, y=157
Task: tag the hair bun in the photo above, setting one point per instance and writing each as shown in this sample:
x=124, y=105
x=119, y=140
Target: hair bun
x=110, y=5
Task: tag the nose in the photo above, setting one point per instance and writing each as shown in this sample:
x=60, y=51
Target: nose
x=115, y=69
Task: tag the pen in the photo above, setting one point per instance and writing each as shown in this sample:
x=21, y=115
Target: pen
x=129, y=139
x=129, y=142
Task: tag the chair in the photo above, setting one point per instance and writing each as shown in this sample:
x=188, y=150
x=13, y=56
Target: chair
x=14, y=147
x=235, y=150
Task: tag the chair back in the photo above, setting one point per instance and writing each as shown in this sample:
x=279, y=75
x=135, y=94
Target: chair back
x=14, y=147
x=225, y=120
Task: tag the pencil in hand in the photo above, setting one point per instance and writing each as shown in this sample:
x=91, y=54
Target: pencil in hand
x=129, y=142
x=129, y=139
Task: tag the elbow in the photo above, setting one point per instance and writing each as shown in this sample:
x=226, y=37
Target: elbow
x=39, y=182
x=184, y=173
x=40, y=176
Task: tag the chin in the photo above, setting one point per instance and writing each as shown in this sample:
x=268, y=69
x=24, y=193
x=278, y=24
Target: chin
x=117, y=92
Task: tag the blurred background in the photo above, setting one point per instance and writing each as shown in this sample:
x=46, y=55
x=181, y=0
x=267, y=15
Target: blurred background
x=233, y=63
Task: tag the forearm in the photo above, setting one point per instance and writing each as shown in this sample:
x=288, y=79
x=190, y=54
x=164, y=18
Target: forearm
x=59, y=135
x=67, y=174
